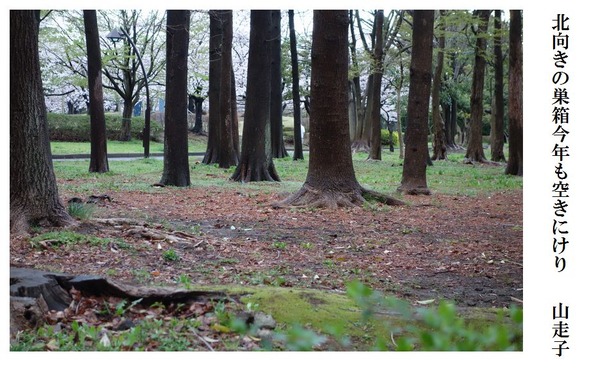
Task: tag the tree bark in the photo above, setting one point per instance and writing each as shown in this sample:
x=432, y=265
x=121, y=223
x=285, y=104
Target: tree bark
x=176, y=170
x=98, y=154
x=515, y=95
x=497, y=133
x=227, y=155
x=126, y=120
x=439, y=132
x=214, y=81
x=331, y=181
x=34, y=197
x=256, y=163
x=475, y=145
x=277, y=144
x=414, y=175
x=298, y=153
x=375, y=151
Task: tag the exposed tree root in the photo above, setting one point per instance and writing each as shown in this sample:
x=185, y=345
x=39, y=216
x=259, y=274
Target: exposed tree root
x=310, y=197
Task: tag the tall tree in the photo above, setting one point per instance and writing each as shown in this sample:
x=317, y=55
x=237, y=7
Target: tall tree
x=98, y=155
x=176, y=170
x=475, y=145
x=375, y=151
x=414, y=175
x=277, y=144
x=497, y=132
x=214, y=76
x=227, y=155
x=298, y=153
x=331, y=181
x=34, y=197
x=123, y=69
x=439, y=133
x=256, y=162
x=515, y=95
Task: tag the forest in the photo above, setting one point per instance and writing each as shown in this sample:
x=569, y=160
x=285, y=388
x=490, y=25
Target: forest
x=218, y=180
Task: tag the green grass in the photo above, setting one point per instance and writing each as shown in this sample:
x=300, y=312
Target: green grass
x=113, y=147
x=66, y=238
x=445, y=177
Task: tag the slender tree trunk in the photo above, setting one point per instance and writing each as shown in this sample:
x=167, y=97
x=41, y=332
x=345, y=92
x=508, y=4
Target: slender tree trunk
x=98, y=154
x=277, y=144
x=439, y=138
x=497, y=133
x=256, y=163
x=330, y=181
x=34, y=197
x=414, y=175
x=198, y=111
x=515, y=95
x=227, y=155
x=298, y=154
x=375, y=151
x=214, y=82
x=363, y=141
x=126, y=120
x=235, y=126
x=475, y=145
x=176, y=170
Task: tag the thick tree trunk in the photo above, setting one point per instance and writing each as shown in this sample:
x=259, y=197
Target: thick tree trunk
x=227, y=156
x=497, y=133
x=34, y=195
x=330, y=181
x=375, y=151
x=475, y=145
x=277, y=144
x=298, y=153
x=176, y=170
x=98, y=154
x=439, y=131
x=515, y=95
x=214, y=82
x=256, y=163
x=414, y=175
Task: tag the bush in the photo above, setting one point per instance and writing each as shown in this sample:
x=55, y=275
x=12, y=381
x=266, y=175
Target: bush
x=76, y=128
x=385, y=137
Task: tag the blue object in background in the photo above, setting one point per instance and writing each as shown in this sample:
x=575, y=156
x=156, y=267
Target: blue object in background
x=137, y=109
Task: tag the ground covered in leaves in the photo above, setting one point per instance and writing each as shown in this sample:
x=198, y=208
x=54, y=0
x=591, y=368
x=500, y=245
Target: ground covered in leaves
x=468, y=249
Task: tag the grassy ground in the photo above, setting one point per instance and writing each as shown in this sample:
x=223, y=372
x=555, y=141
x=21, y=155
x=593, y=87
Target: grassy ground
x=196, y=144
x=446, y=177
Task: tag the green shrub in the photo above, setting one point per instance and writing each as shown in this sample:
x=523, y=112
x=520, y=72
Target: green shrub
x=385, y=137
x=76, y=128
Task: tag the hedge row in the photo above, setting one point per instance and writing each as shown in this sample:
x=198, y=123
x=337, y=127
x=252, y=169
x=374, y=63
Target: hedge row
x=76, y=128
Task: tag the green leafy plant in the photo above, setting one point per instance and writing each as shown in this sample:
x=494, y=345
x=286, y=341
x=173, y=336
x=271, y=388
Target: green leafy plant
x=185, y=280
x=81, y=211
x=171, y=255
x=279, y=245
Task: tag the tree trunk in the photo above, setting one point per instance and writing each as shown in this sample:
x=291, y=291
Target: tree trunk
x=98, y=154
x=235, y=125
x=214, y=82
x=277, y=144
x=362, y=143
x=439, y=132
x=34, y=197
x=227, y=156
x=375, y=151
x=298, y=153
x=414, y=175
x=475, y=145
x=256, y=163
x=126, y=120
x=198, y=111
x=497, y=133
x=515, y=95
x=176, y=170
x=330, y=181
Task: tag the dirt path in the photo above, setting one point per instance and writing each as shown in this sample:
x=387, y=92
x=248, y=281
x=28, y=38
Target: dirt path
x=467, y=249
